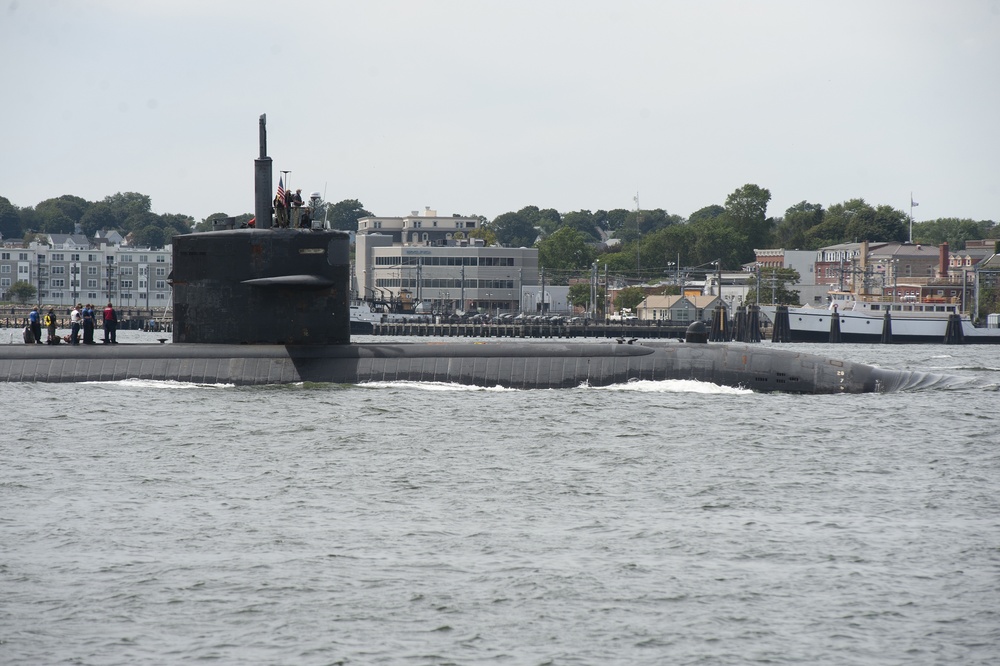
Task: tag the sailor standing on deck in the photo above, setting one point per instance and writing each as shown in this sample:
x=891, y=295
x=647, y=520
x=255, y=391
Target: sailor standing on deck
x=75, y=319
x=50, y=325
x=35, y=324
x=88, y=324
x=110, y=324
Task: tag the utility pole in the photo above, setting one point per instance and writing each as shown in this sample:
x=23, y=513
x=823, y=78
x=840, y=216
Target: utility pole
x=542, y=295
x=605, y=291
x=638, y=235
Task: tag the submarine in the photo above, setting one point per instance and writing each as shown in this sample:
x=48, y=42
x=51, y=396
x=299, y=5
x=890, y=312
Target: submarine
x=268, y=305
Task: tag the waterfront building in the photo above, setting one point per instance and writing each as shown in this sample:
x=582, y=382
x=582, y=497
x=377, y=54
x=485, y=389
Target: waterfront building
x=678, y=309
x=429, y=263
x=70, y=268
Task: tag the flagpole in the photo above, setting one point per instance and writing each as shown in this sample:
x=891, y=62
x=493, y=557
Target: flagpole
x=912, y=204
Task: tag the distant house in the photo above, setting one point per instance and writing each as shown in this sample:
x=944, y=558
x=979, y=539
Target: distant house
x=69, y=242
x=678, y=309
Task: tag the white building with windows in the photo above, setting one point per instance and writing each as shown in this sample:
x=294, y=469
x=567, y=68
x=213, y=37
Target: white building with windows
x=430, y=260
x=68, y=268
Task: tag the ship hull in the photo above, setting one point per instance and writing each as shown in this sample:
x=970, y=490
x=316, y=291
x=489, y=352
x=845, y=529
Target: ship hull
x=813, y=325
x=524, y=365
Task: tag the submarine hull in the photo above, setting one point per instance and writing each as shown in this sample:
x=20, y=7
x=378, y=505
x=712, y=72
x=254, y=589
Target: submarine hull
x=524, y=365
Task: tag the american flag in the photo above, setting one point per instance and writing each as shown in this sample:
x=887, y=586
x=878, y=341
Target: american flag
x=281, y=189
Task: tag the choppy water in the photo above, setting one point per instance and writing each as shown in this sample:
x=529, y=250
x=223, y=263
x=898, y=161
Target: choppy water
x=652, y=523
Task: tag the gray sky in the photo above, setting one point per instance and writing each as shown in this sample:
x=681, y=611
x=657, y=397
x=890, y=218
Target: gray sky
x=481, y=107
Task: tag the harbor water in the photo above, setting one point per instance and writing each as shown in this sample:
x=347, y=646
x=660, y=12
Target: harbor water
x=646, y=523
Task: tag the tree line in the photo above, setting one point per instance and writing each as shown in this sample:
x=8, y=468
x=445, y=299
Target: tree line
x=651, y=243
x=641, y=243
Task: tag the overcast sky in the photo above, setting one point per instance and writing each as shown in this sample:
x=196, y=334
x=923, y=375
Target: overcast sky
x=481, y=107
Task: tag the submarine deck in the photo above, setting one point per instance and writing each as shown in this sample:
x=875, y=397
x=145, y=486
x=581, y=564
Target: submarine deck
x=526, y=364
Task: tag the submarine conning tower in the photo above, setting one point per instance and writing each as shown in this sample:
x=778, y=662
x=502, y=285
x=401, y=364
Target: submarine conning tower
x=262, y=286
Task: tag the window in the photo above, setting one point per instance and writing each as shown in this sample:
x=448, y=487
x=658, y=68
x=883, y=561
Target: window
x=142, y=284
x=127, y=270
x=4, y=255
x=58, y=282
x=91, y=270
x=161, y=284
x=22, y=270
x=4, y=282
x=58, y=270
x=58, y=257
x=127, y=284
x=5, y=268
x=23, y=256
x=161, y=297
x=74, y=257
x=160, y=259
x=92, y=257
x=91, y=284
x=160, y=272
x=41, y=258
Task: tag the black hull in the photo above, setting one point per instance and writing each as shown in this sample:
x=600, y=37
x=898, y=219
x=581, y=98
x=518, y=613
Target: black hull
x=362, y=328
x=815, y=336
x=527, y=365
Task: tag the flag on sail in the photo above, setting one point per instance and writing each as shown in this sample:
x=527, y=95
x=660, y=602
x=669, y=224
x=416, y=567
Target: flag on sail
x=281, y=189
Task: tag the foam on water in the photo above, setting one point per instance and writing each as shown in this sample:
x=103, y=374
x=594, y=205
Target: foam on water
x=133, y=384
x=674, y=386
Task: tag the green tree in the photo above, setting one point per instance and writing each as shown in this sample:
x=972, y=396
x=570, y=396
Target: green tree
x=579, y=294
x=989, y=302
x=706, y=213
x=718, y=239
x=884, y=223
x=582, y=221
x=746, y=210
x=513, y=230
x=22, y=292
x=833, y=229
x=174, y=223
x=10, y=220
x=208, y=224
x=344, y=215
x=661, y=248
x=566, y=250
x=792, y=231
x=616, y=218
x=99, y=216
x=629, y=298
x=774, y=287
x=548, y=220
x=60, y=215
x=951, y=230
x=485, y=233
x=150, y=236
x=126, y=204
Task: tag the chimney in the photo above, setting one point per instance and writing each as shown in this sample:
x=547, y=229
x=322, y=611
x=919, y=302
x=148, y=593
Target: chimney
x=943, y=259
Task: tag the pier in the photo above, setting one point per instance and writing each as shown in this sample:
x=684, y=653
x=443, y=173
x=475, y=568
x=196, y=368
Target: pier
x=530, y=330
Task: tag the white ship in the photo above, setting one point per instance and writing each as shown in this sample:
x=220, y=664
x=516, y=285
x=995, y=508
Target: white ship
x=865, y=321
